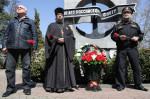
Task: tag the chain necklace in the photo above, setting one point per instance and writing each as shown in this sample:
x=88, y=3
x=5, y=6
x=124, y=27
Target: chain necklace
x=61, y=29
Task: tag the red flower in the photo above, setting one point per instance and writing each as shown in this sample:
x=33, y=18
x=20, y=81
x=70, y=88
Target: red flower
x=31, y=42
x=116, y=34
x=101, y=58
x=98, y=57
x=51, y=36
x=89, y=58
x=84, y=57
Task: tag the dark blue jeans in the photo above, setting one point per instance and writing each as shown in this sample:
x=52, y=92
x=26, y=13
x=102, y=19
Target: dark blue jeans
x=11, y=61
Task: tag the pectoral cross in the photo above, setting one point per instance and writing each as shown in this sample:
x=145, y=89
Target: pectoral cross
x=61, y=29
x=62, y=32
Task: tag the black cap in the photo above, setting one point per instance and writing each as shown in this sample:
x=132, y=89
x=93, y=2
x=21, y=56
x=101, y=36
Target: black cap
x=59, y=10
x=127, y=9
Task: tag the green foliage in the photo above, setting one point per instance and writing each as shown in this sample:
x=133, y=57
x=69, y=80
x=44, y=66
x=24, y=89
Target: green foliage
x=2, y=60
x=4, y=17
x=38, y=59
x=38, y=65
x=144, y=61
x=144, y=58
x=3, y=3
x=40, y=38
x=13, y=4
x=109, y=71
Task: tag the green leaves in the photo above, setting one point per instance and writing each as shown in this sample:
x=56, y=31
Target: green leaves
x=94, y=62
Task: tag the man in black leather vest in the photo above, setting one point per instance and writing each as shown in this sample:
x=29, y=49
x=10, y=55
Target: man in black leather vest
x=20, y=39
x=126, y=34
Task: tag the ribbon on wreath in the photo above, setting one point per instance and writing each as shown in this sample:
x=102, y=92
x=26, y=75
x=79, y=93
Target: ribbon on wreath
x=92, y=83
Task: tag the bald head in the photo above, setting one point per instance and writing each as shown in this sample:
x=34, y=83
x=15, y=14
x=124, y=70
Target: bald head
x=21, y=9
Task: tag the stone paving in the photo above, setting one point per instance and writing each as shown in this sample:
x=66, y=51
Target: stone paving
x=39, y=93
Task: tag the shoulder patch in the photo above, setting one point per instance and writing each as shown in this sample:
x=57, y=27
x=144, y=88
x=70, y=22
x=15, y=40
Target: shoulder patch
x=119, y=23
x=134, y=26
x=120, y=27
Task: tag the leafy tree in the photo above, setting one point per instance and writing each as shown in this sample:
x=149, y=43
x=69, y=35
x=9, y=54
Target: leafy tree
x=3, y=3
x=13, y=7
x=4, y=17
x=38, y=59
x=37, y=22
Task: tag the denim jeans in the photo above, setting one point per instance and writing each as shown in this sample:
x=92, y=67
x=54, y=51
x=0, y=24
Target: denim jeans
x=11, y=61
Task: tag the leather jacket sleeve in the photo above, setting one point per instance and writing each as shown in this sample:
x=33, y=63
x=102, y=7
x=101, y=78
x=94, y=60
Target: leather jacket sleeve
x=34, y=35
x=5, y=36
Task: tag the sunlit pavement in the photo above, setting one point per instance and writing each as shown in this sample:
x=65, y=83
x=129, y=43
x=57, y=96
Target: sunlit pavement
x=39, y=93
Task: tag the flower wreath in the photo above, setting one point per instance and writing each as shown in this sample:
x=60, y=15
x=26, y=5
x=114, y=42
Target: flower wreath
x=90, y=54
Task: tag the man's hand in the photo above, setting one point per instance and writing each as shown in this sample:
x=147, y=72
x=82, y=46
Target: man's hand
x=4, y=50
x=123, y=37
x=60, y=40
x=33, y=52
x=135, y=38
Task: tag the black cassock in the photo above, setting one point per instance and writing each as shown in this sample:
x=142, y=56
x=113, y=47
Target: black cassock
x=59, y=57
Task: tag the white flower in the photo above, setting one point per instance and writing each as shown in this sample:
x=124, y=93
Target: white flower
x=78, y=54
x=98, y=53
x=93, y=56
x=79, y=50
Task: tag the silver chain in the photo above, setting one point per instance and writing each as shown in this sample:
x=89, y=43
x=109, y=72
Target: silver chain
x=61, y=28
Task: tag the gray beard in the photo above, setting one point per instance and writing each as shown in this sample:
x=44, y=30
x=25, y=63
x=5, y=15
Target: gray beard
x=126, y=17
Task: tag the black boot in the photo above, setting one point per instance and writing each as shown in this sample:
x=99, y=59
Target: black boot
x=140, y=87
x=27, y=91
x=69, y=89
x=7, y=93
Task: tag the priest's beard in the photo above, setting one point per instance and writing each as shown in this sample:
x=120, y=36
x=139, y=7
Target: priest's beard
x=59, y=21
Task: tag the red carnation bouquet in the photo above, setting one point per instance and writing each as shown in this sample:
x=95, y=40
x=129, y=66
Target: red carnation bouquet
x=93, y=61
x=31, y=42
x=94, y=58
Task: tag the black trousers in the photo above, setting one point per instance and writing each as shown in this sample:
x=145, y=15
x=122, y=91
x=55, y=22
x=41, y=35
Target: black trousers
x=11, y=61
x=133, y=56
